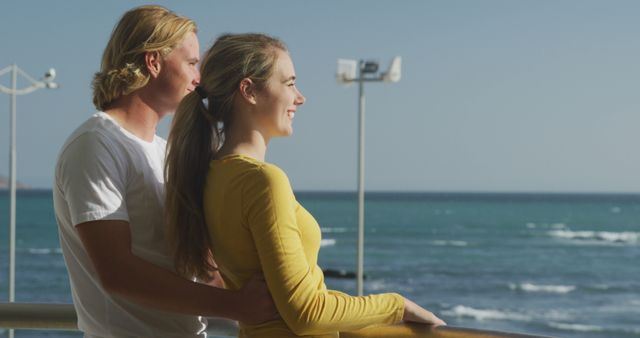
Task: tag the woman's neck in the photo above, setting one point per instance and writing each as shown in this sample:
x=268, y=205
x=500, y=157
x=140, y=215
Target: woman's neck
x=248, y=142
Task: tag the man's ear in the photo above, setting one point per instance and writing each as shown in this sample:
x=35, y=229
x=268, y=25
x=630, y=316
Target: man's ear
x=248, y=90
x=152, y=63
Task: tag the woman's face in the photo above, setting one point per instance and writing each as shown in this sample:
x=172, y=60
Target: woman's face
x=279, y=99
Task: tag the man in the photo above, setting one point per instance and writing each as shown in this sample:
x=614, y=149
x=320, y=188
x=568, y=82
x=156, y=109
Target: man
x=109, y=193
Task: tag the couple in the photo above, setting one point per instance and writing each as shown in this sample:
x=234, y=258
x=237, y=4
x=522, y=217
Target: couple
x=129, y=276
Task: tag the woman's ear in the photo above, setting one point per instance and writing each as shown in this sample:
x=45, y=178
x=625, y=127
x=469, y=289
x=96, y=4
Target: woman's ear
x=248, y=90
x=152, y=63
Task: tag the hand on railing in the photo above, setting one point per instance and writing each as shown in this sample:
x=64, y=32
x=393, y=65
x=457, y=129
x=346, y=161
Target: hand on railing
x=415, y=313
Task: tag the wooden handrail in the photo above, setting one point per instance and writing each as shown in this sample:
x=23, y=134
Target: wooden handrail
x=63, y=317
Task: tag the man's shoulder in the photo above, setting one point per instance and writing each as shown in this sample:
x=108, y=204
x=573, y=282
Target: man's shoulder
x=95, y=137
x=96, y=130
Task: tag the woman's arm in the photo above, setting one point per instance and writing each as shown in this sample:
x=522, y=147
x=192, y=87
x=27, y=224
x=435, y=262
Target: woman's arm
x=297, y=286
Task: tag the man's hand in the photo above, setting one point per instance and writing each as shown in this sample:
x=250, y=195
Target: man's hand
x=258, y=306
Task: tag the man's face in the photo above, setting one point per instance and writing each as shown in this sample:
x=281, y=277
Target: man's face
x=179, y=74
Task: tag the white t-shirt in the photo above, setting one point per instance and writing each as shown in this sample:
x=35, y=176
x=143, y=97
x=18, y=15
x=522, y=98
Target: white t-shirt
x=106, y=173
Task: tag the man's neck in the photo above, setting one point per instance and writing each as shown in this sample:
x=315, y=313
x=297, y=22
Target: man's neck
x=136, y=116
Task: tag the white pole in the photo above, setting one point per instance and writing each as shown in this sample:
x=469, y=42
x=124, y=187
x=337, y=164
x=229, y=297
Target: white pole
x=360, y=270
x=12, y=179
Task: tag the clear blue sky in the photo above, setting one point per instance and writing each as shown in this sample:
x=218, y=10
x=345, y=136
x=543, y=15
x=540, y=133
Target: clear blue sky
x=496, y=95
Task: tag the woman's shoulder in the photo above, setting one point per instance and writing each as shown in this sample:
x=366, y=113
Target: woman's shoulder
x=253, y=171
x=269, y=173
x=265, y=180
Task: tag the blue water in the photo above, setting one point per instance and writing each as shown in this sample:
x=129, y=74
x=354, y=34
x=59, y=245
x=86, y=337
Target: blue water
x=556, y=265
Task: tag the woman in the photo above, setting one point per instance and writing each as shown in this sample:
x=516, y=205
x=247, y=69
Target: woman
x=224, y=200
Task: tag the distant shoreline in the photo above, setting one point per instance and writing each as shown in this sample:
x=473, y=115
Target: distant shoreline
x=425, y=195
x=4, y=184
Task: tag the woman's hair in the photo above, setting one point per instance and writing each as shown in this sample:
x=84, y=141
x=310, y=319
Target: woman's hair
x=141, y=30
x=197, y=132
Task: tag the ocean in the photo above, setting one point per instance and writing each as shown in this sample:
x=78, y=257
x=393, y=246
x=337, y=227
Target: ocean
x=560, y=265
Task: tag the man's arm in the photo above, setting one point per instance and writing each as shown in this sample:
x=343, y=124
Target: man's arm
x=108, y=244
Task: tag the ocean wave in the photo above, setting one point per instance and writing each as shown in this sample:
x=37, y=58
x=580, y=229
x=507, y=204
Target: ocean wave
x=327, y=242
x=625, y=237
x=333, y=230
x=44, y=251
x=449, y=243
x=485, y=314
x=576, y=327
x=377, y=285
x=529, y=287
x=558, y=314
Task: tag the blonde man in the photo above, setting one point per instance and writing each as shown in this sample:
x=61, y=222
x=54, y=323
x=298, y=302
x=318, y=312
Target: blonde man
x=109, y=193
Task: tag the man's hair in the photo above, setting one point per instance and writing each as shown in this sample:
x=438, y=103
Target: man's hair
x=141, y=30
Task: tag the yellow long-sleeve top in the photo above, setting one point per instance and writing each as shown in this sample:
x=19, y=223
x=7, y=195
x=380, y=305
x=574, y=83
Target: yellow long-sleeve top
x=256, y=225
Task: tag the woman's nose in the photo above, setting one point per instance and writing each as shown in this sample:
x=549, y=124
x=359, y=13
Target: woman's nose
x=299, y=98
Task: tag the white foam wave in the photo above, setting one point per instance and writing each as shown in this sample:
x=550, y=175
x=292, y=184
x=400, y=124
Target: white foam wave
x=449, y=243
x=557, y=314
x=625, y=237
x=44, y=251
x=558, y=226
x=485, y=314
x=327, y=242
x=529, y=287
x=334, y=230
x=576, y=327
x=377, y=285
x=600, y=287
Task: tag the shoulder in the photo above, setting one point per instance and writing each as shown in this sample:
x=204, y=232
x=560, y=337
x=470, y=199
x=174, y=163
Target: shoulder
x=268, y=174
x=266, y=188
x=94, y=135
x=266, y=180
x=94, y=147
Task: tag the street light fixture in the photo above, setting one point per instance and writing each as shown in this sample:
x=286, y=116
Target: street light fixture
x=46, y=82
x=350, y=71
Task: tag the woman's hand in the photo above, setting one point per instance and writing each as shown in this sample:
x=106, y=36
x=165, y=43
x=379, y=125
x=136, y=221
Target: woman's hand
x=415, y=313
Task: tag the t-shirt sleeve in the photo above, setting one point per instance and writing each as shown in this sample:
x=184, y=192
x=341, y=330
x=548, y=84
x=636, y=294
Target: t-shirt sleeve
x=304, y=306
x=92, y=179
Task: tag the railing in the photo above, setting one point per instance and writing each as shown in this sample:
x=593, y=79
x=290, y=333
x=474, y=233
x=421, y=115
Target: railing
x=63, y=317
x=34, y=316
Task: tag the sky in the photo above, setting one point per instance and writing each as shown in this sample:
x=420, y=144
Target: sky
x=495, y=95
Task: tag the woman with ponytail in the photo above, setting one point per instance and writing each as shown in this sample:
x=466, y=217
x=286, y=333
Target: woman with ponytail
x=224, y=200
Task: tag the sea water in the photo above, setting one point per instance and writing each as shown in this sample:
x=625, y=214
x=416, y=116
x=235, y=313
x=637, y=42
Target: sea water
x=556, y=265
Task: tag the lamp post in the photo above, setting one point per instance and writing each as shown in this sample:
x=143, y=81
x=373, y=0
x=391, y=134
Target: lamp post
x=13, y=91
x=350, y=71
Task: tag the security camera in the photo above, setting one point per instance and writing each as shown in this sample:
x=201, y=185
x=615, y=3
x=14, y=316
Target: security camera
x=50, y=74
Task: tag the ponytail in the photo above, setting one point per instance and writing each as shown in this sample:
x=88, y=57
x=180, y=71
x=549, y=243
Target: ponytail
x=191, y=145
